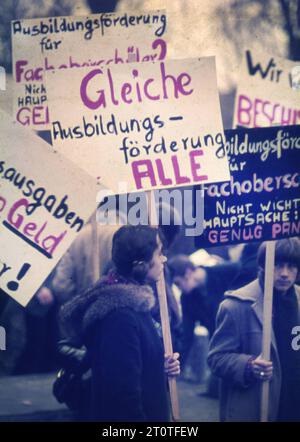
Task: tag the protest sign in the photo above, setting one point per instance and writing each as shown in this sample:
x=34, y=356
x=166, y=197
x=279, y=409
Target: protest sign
x=261, y=201
x=268, y=95
x=44, y=202
x=60, y=43
x=268, y=91
x=140, y=127
x=147, y=126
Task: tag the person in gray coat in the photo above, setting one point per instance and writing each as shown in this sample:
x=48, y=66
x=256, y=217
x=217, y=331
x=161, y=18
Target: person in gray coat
x=236, y=346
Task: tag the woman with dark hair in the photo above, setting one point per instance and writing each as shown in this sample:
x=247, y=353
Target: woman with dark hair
x=113, y=318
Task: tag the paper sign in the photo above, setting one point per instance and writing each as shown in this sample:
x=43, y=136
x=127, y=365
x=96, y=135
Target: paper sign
x=268, y=92
x=142, y=126
x=44, y=202
x=262, y=200
x=60, y=43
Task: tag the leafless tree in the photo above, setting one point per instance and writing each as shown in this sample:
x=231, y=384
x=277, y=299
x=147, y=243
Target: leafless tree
x=17, y=9
x=255, y=15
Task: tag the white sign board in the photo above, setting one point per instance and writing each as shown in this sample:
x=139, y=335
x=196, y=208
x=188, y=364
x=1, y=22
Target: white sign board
x=268, y=92
x=44, y=202
x=64, y=43
x=141, y=126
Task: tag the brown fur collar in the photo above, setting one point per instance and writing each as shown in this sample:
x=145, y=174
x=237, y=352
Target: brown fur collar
x=96, y=303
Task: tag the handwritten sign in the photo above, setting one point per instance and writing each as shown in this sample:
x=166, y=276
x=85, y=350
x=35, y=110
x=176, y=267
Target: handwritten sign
x=262, y=200
x=268, y=92
x=44, y=202
x=60, y=43
x=141, y=126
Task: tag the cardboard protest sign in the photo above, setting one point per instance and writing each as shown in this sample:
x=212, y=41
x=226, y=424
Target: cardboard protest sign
x=59, y=43
x=141, y=126
x=268, y=91
x=268, y=94
x=262, y=200
x=44, y=202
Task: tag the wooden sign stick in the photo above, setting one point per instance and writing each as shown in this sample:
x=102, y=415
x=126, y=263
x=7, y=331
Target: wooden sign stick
x=267, y=323
x=95, y=248
x=164, y=314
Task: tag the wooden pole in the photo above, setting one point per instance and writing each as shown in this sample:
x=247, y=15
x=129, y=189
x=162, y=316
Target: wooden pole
x=95, y=248
x=164, y=314
x=267, y=323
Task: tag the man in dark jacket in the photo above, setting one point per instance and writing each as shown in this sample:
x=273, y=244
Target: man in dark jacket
x=202, y=290
x=236, y=345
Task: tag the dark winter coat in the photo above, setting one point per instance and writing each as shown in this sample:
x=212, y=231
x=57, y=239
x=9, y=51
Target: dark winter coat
x=126, y=353
x=238, y=336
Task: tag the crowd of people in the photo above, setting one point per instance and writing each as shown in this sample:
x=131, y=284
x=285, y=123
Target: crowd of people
x=115, y=324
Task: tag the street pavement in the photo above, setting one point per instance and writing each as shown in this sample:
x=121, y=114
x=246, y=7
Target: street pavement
x=195, y=406
x=29, y=398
